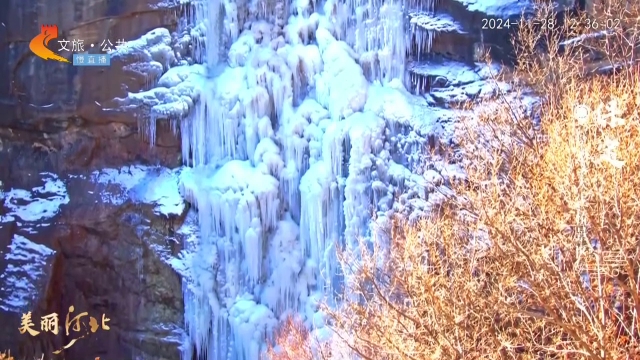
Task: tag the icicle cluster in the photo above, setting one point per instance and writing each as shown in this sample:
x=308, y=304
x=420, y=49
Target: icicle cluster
x=282, y=149
x=379, y=38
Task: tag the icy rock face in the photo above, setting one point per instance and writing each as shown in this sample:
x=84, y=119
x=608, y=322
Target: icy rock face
x=176, y=87
x=299, y=132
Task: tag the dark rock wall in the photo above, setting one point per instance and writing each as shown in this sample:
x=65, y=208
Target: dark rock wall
x=52, y=119
x=56, y=110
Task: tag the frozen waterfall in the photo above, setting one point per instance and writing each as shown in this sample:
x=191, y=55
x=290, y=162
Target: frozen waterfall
x=297, y=141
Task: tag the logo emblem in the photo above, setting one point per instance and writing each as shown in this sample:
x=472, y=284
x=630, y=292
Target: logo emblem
x=39, y=44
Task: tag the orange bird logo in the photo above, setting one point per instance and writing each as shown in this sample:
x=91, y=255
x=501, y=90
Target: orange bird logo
x=39, y=44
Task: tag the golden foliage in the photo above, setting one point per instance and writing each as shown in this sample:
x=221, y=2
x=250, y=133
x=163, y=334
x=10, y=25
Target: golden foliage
x=517, y=265
x=293, y=342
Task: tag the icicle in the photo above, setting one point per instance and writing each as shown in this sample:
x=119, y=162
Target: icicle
x=285, y=263
x=253, y=253
x=251, y=134
x=151, y=130
x=315, y=190
x=332, y=147
x=269, y=208
x=277, y=90
x=244, y=213
x=264, y=128
x=364, y=131
x=185, y=131
x=267, y=154
x=430, y=42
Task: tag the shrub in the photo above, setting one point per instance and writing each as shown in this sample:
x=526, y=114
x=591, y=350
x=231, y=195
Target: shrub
x=296, y=342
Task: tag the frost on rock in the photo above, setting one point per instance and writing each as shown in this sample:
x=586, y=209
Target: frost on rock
x=26, y=265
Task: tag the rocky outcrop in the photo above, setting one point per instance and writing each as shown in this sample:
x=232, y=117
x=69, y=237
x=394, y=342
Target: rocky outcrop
x=76, y=228
x=62, y=112
x=101, y=242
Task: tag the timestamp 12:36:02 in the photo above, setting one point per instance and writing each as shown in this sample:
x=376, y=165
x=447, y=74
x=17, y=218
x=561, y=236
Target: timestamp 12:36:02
x=552, y=23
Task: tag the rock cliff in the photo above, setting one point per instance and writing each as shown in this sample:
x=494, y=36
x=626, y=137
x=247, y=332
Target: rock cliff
x=76, y=228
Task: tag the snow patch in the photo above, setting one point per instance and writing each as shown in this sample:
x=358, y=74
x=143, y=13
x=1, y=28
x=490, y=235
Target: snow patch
x=498, y=7
x=26, y=264
x=149, y=185
x=152, y=46
x=40, y=203
x=432, y=22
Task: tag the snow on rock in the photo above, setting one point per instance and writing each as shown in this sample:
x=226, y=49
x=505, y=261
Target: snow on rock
x=37, y=204
x=176, y=88
x=149, y=185
x=180, y=74
x=154, y=46
x=454, y=73
x=160, y=188
x=498, y=7
x=26, y=265
x=173, y=99
x=479, y=89
x=436, y=23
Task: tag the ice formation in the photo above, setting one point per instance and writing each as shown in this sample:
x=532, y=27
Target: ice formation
x=282, y=152
x=297, y=130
